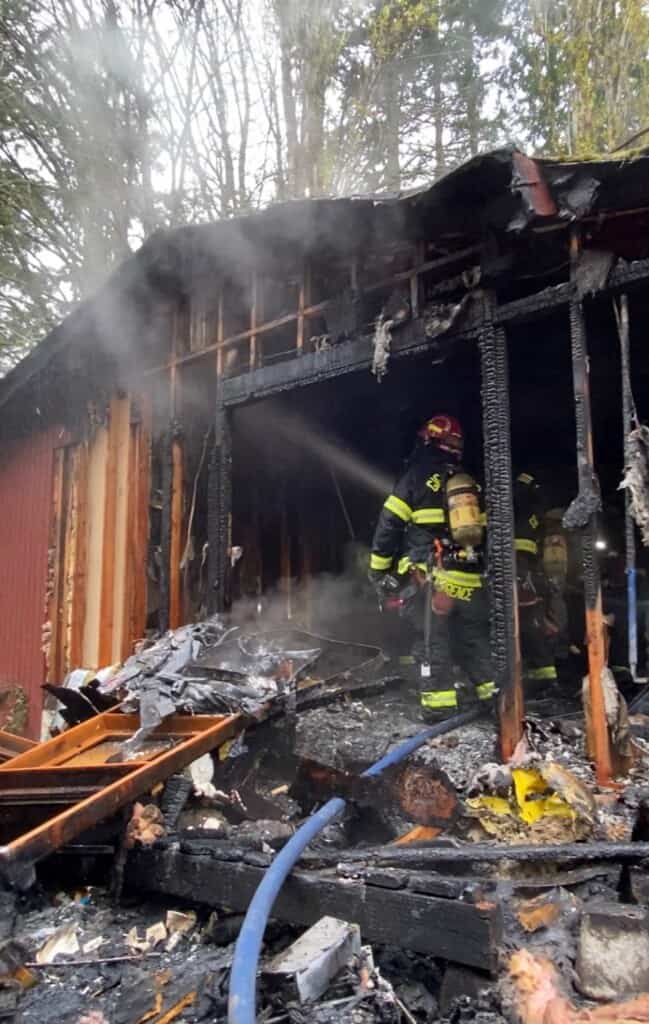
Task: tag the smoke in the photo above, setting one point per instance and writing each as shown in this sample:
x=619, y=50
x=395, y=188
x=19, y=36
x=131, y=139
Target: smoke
x=296, y=431
x=340, y=607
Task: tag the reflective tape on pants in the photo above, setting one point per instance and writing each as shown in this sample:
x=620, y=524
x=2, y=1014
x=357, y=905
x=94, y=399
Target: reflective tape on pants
x=486, y=690
x=546, y=672
x=436, y=699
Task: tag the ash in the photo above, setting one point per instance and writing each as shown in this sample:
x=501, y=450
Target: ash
x=461, y=752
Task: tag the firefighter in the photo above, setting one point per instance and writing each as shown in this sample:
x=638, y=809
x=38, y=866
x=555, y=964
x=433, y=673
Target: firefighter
x=429, y=531
x=539, y=669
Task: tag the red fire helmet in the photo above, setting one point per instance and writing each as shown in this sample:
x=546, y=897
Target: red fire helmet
x=445, y=432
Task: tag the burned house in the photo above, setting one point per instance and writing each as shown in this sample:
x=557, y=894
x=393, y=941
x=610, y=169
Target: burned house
x=250, y=388
x=215, y=431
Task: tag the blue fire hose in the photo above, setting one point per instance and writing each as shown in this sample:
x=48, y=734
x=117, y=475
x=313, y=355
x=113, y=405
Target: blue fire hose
x=241, y=1004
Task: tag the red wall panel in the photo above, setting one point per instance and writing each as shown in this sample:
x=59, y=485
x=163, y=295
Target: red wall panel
x=25, y=511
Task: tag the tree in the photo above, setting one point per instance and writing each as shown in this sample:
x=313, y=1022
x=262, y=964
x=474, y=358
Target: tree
x=578, y=79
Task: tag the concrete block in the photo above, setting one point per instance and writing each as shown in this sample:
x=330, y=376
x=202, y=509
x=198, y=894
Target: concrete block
x=314, y=959
x=613, y=951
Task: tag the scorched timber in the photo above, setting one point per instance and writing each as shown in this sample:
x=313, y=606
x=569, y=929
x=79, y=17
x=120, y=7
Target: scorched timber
x=447, y=928
x=424, y=857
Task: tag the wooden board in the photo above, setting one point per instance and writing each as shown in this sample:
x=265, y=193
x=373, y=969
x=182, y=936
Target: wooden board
x=446, y=928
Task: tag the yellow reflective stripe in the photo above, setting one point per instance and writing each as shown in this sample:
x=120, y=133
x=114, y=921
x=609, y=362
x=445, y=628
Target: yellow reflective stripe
x=406, y=659
x=525, y=478
x=438, y=699
x=463, y=579
x=428, y=516
x=398, y=508
x=486, y=690
x=530, y=547
x=547, y=672
x=380, y=562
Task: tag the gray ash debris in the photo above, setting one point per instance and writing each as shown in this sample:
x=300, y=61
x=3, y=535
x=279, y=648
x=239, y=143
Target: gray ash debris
x=355, y=734
x=485, y=1008
x=460, y=753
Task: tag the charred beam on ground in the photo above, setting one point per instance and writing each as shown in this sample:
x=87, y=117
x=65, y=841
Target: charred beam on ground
x=447, y=928
x=426, y=856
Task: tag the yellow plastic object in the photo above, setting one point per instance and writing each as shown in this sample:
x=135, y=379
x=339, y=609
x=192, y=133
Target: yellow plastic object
x=535, y=799
x=224, y=749
x=496, y=804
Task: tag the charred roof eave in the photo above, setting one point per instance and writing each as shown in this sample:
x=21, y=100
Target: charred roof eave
x=500, y=193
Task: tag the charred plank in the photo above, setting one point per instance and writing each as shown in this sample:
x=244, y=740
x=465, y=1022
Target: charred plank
x=446, y=928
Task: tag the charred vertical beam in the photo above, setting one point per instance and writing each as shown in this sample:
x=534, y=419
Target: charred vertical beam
x=505, y=646
x=107, y=612
x=79, y=569
x=219, y=336
x=166, y=443
x=304, y=300
x=286, y=567
x=140, y=524
x=254, y=354
x=582, y=515
x=176, y=526
x=628, y=418
x=219, y=509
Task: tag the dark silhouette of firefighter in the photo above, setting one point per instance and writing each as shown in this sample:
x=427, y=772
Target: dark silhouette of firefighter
x=428, y=541
x=539, y=669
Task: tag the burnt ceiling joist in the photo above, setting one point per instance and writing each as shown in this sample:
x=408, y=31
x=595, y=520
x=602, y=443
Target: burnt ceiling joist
x=411, y=339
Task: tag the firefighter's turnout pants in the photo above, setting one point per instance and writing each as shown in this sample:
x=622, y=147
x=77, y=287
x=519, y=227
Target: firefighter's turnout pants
x=536, y=650
x=539, y=668
x=460, y=637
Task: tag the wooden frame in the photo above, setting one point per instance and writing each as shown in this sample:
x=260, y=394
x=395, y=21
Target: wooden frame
x=59, y=770
x=304, y=312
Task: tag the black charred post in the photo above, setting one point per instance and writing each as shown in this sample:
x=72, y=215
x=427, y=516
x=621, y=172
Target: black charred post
x=582, y=515
x=628, y=418
x=505, y=647
x=219, y=522
x=165, y=529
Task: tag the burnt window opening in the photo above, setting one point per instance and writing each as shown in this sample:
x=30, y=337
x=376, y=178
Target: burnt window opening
x=311, y=470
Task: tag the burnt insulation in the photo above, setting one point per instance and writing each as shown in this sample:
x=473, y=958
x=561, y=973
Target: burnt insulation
x=219, y=510
x=499, y=499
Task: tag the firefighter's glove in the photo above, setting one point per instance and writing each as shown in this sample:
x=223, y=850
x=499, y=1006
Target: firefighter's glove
x=385, y=585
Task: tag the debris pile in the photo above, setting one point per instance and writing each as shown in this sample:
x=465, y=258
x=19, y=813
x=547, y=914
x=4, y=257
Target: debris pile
x=488, y=891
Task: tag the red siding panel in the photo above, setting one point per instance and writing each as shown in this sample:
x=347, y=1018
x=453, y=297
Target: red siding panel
x=25, y=508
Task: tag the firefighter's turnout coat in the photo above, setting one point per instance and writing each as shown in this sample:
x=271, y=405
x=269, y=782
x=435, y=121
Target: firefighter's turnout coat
x=413, y=518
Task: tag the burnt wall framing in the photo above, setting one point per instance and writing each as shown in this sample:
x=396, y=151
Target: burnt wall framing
x=219, y=512
x=412, y=339
x=487, y=325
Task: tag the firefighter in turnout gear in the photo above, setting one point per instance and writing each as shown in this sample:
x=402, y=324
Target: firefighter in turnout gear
x=428, y=532
x=538, y=664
